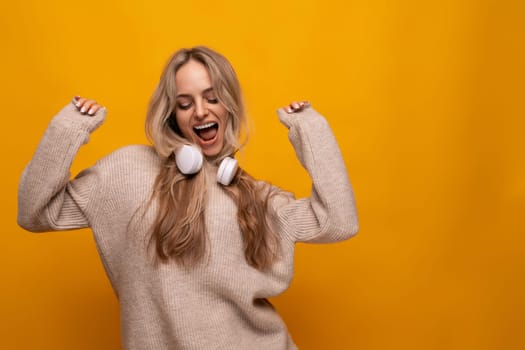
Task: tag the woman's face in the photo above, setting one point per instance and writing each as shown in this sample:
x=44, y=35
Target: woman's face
x=200, y=116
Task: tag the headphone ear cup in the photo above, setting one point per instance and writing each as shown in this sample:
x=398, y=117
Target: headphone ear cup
x=227, y=171
x=189, y=159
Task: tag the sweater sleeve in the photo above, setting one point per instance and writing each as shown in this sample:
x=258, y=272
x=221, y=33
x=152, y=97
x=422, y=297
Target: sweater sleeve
x=47, y=199
x=329, y=214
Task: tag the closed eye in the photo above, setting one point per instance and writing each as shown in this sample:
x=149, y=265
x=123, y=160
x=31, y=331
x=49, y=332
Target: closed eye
x=184, y=106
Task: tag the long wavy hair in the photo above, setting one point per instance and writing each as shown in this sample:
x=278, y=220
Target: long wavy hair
x=179, y=229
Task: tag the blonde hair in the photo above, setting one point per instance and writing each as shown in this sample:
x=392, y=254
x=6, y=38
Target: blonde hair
x=179, y=230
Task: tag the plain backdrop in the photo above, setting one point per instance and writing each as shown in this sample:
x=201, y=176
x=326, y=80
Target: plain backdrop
x=426, y=99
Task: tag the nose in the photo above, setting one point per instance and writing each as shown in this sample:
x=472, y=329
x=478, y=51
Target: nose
x=201, y=110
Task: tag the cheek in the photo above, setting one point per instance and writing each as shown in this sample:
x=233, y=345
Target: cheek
x=223, y=116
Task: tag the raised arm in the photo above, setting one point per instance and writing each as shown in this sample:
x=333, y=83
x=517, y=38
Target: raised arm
x=47, y=199
x=329, y=214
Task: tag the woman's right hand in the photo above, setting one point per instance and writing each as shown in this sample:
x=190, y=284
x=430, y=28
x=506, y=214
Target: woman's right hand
x=295, y=106
x=86, y=106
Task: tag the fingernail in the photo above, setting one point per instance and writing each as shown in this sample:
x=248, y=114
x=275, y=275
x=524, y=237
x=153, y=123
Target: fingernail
x=83, y=110
x=91, y=111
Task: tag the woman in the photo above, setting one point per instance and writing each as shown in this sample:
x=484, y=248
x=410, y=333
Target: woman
x=191, y=261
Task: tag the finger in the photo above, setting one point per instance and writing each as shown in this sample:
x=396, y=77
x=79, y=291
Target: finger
x=94, y=109
x=292, y=107
x=304, y=104
x=80, y=102
x=87, y=105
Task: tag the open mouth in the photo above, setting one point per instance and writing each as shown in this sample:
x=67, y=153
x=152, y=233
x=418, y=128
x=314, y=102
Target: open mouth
x=206, y=132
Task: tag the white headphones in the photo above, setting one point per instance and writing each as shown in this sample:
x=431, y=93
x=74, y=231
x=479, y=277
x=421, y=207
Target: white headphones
x=189, y=161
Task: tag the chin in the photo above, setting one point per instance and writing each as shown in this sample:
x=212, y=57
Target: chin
x=212, y=152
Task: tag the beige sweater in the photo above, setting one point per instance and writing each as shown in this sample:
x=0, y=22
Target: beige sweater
x=219, y=304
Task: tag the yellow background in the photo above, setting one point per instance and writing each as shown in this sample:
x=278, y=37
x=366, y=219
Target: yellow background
x=426, y=99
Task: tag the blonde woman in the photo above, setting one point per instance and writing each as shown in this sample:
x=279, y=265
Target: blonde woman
x=192, y=254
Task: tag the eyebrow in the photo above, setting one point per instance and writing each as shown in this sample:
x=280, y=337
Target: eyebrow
x=205, y=91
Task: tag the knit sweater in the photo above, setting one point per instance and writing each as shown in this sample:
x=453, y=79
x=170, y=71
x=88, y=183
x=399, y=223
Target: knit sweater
x=221, y=303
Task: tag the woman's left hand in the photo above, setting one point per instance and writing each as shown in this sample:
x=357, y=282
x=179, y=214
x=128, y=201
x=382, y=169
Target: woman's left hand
x=295, y=106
